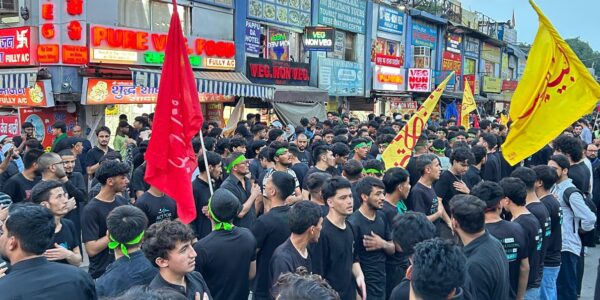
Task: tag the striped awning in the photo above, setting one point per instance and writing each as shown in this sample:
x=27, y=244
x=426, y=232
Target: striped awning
x=17, y=78
x=222, y=83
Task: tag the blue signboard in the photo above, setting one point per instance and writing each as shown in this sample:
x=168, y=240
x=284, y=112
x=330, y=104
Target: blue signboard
x=349, y=15
x=424, y=35
x=294, y=13
x=390, y=20
x=252, y=37
x=341, y=78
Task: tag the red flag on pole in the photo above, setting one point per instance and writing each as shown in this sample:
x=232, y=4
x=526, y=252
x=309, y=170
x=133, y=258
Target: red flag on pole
x=170, y=158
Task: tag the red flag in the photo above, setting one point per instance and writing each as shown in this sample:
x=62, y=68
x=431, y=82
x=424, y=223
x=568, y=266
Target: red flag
x=170, y=158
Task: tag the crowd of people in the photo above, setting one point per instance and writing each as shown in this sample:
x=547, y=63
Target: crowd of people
x=306, y=212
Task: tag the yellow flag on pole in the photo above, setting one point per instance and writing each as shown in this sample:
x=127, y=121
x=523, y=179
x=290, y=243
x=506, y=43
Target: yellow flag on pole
x=400, y=150
x=504, y=119
x=468, y=105
x=556, y=89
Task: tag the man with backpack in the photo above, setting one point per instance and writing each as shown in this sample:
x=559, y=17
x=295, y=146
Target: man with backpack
x=577, y=217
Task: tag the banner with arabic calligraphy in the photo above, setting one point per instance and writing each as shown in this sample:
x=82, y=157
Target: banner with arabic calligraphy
x=555, y=91
x=398, y=153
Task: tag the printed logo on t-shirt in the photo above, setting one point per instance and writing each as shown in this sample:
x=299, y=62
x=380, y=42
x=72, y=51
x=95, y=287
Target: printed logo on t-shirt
x=434, y=206
x=538, y=239
x=548, y=228
x=511, y=248
x=164, y=214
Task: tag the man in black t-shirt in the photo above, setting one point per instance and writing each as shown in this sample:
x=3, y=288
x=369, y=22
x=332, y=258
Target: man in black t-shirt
x=298, y=166
x=491, y=170
x=303, y=155
x=226, y=256
x=201, y=189
x=422, y=197
x=473, y=175
x=334, y=257
x=157, y=206
x=515, y=192
x=242, y=188
x=487, y=265
x=271, y=229
x=138, y=184
x=511, y=236
x=112, y=175
x=546, y=177
x=305, y=222
x=372, y=236
x=324, y=160
x=95, y=154
x=19, y=186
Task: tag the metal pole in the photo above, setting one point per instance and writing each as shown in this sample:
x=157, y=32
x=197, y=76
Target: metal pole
x=210, y=186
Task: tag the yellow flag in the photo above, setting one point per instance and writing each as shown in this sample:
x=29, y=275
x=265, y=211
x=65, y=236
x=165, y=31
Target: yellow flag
x=468, y=105
x=504, y=119
x=400, y=150
x=555, y=91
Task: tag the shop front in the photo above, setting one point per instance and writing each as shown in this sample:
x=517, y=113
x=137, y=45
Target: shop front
x=471, y=63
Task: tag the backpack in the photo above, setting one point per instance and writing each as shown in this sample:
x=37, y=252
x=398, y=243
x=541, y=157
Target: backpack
x=587, y=237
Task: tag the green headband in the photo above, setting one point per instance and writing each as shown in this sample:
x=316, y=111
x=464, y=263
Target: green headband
x=438, y=150
x=113, y=243
x=363, y=144
x=218, y=224
x=234, y=163
x=280, y=151
x=372, y=171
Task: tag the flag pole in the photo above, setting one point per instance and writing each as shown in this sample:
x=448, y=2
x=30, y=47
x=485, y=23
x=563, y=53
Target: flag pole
x=210, y=186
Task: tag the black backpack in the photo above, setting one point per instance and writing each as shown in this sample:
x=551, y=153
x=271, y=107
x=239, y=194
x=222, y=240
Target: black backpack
x=587, y=237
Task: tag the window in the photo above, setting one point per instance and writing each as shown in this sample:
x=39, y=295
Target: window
x=344, y=46
x=470, y=66
x=151, y=15
x=422, y=57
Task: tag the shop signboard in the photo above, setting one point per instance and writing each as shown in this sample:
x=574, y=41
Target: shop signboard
x=439, y=77
x=389, y=60
x=390, y=20
x=349, y=15
x=39, y=94
x=472, y=47
x=42, y=119
x=491, y=84
x=18, y=46
x=293, y=13
x=138, y=47
x=10, y=126
x=100, y=91
x=454, y=43
x=403, y=107
x=424, y=34
x=252, y=37
x=341, y=78
x=509, y=85
x=214, y=113
x=62, y=35
x=278, y=44
x=419, y=80
x=490, y=53
x=389, y=79
x=267, y=71
x=452, y=62
x=319, y=39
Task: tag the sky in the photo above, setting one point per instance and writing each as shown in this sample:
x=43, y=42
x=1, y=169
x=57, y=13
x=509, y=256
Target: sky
x=572, y=18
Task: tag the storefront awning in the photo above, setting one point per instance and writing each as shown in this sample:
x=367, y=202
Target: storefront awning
x=289, y=93
x=222, y=83
x=18, y=78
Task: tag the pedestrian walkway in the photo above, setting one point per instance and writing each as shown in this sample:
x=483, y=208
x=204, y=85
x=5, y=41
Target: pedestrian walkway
x=589, y=275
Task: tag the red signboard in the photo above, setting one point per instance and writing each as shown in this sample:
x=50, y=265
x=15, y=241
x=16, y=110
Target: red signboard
x=452, y=62
x=34, y=96
x=509, y=85
x=77, y=55
x=9, y=125
x=269, y=71
x=419, y=80
x=472, y=83
x=62, y=32
x=388, y=60
x=17, y=47
x=42, y=119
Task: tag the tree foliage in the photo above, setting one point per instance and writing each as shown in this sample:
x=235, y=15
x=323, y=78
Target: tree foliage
x=588, y=56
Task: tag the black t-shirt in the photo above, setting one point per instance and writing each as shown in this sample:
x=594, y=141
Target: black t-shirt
x=491, y=169
x=305, y=157
x=67, y=237
x=201, y=224
x=19, y=188
x=300, y=169
x=157, y=209
x=472, y=177
x=286, y=259
x=11, y=171
x=533, y=232
x=513, y=240
x=270, y=230
x=580, y=174
x=137, y=179
x=554, y=235
x=311, y=170
x=444, y=188
x=413, y=172
x=372, y=263
x=333, y=257
x=401, y=291
x=422, y=199
x=390, y=212
x=224, y=259
x=539, y=210
x=93, y=227
x=93, y=156
x=487, y=268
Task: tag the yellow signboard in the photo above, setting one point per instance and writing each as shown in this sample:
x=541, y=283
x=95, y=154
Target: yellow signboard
x=492, y=84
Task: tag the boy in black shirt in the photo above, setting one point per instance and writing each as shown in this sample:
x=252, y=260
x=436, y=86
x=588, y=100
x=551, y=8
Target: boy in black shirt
x=491, y=170
x=372, y=235
x=510, y=234
x=422, y=197
x=271, y=229
x=112, y=175
x=334, y=256
x=19, y=186
x=228, y=254
x=201, y=225
x=473, y=175
x=168, y=246
x=546, y=177
x=157, y=205
x=305, y=222
x=516, y=195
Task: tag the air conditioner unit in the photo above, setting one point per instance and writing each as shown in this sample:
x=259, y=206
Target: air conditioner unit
x=9, y=6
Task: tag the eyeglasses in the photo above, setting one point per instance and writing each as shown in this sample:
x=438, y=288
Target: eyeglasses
x=58, y=163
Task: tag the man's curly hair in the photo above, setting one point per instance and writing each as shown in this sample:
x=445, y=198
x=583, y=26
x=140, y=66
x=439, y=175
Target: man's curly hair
x=162, y=237
x=303, y=286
